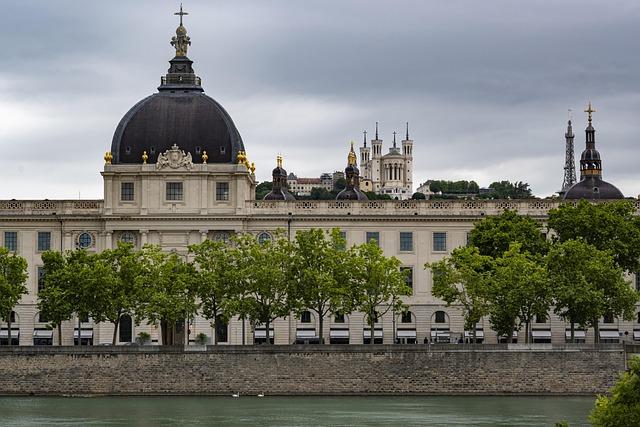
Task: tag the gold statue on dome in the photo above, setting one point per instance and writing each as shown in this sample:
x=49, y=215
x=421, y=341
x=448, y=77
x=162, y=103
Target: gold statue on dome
x=108, y=158
x=205, y=157
x=181, y=40
x=253, y=167
x=279, y=160
x=351, y=159
x=145, y=157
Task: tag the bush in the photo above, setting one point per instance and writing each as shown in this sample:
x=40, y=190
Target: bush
x=143, y=338
x=201, y=339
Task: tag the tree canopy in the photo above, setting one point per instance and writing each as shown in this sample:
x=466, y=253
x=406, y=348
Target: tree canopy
x=13, y=276
x=622, y=407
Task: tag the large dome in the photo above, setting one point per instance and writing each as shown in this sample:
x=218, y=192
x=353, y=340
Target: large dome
x=190, y=119
x=592, y=188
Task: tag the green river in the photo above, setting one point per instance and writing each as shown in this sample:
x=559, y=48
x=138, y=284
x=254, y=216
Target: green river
x=294, y=411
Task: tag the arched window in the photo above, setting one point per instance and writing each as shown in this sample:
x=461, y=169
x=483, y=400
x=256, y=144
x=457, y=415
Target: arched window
x=305, y=317
x=608, y=318
x=222, y=329
x=264, y=237
x=128, y=237
x=125, y=332
x=339, y=318
x=407, y=317
x=440, y=317
x=85, y=240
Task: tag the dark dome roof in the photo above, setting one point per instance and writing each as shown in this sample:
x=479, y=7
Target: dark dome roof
x=279, y=194
x=351, y=194
x=593, y=188
x=188, y=118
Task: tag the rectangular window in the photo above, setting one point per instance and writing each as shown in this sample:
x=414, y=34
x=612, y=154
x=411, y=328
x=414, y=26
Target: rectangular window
x=126, y=191
x=439, y=242
x=406, y=241
x=40, y=278
x=11, y=240
x=409, y=277
x=222, y=191
x=373, y=235
x=174, y=191
x=343, y=236
x=468, y=238
x=44, y=241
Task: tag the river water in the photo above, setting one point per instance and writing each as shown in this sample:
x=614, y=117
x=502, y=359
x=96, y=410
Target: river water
x=294, y=411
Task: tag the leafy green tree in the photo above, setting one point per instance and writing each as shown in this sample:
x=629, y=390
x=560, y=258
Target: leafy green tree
x=113, y=288
x=509, y=190
x=213, y=281
x=464, y=279
x=319, y=193
x=13, y=275
x=622, y=407
x=320, y=274
x=340, y=184
x=377, y=281
x=611, y=227
x=493, y=235
x=263, y=189
x=167, y=291
x=55, y=298
x=587, y=285
x=519, y=291
x=262, y=279
x=418, y=196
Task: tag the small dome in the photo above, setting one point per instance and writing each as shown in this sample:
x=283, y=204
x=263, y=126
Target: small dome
x=181, y=31
x=593, y=188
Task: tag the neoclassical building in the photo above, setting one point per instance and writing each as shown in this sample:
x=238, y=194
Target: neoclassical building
x=177, y=173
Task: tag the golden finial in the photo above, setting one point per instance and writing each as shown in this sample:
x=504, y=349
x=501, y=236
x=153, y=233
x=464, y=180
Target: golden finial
x=205, y=157
x=240, y=157
x=279, y=160
x=108, y=157
x=351, y=159
x=590, y=110
x=253, y=167
x=145, y=157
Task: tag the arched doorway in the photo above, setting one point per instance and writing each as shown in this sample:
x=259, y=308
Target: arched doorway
x=125, y=329
x=440, y=332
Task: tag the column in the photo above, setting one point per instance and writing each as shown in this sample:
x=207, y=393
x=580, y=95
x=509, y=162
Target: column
x=203, y=235
x=108, y=239
x=143, y=237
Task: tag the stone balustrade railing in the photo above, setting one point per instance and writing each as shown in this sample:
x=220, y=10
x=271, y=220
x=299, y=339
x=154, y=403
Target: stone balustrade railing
x=50, y=207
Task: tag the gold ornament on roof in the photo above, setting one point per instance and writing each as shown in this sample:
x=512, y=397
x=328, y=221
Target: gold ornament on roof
x=351, y=159
x=590, y=110
x=108, y=157
x=145, y=157
x=253, y=167
x=279, y=160
x=205, y=157
x=181, y=40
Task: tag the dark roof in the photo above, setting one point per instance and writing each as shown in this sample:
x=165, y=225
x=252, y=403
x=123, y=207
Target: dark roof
x=187, y=118
x=592, y=188
x=279, y=194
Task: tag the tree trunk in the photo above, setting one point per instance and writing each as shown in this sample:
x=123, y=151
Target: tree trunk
x=115, y=331
x=9, y=328
x=79, y=331
x=372, y=340
x=527, y=327
x=320, y=328
x=474, y=339
x=266, y=327
x=164, y=332
x=596, y=331
x=573, y=333
x=215, y=330
x=60, y=333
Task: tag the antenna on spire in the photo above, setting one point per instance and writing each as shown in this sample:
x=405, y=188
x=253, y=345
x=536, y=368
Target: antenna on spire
x=365, y=137
x=407, y=136
x=376, y=131
x=394, y=139
x=569, y=114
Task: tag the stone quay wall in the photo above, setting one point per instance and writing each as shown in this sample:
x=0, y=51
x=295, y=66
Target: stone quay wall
x=311, y=370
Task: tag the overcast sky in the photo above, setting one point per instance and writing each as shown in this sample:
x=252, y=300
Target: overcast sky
x=485, y=85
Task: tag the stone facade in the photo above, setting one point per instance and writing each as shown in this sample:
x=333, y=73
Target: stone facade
x=309, y=370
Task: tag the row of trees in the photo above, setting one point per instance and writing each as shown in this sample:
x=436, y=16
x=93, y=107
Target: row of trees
x=13, y=277
x=512, y=273
x=497, y=189
x=256, y=281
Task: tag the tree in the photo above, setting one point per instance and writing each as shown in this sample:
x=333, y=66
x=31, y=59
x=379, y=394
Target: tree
x=263, y=189
x=320, y=193
x=13, y=275
x=622, y=407
x=55, y=299
x=493, y=235
x=167, y=291
x=519, y=290
x=588, y=284
x=611, y=226
x=377, y=281
x=509, y=190
x=114, y=292
x=262, y=279
x=319, y=274
x=418, y=196
x=339, y=184
x=463, y=278
x=213, y=284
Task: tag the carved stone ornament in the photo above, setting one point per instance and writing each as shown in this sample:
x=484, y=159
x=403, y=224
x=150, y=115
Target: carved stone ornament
x=174, y=158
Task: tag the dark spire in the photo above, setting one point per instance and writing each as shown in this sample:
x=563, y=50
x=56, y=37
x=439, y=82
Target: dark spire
x=590, y=162
x=407, y=136
x=279, y=186
x=365, y=138
x=394, y=139
x=181, y=75
x=352, y=176
x=569, y=162
x=376, y=131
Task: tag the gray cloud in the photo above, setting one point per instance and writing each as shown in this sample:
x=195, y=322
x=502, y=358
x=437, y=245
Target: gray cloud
x=484, y=85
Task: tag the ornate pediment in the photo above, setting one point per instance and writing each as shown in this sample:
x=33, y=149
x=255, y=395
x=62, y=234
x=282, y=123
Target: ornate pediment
x=174, y=158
